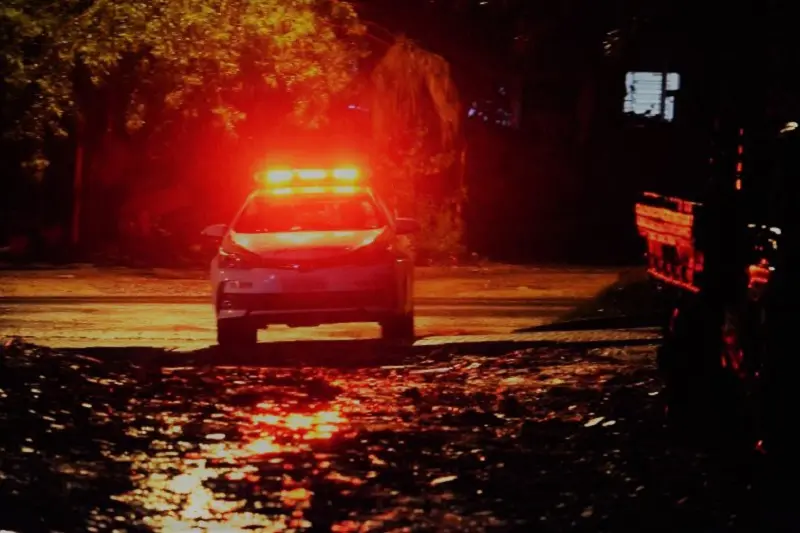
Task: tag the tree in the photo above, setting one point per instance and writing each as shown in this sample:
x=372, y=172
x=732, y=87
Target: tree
x=202, y=54
x=416, y=118
x=111, y=73
x=406, y=80
x=94, y=68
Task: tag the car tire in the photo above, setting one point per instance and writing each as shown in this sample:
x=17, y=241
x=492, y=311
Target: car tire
x=236, y=333
x=399, y=328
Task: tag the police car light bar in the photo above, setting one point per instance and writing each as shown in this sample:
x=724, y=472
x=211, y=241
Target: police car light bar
x=336, y=189
x=285, y=177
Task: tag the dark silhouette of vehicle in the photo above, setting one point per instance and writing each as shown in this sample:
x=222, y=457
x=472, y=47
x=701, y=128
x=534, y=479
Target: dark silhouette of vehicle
x=726, y=261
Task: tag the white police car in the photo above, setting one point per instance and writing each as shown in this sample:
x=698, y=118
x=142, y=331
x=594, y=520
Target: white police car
x=312, y=247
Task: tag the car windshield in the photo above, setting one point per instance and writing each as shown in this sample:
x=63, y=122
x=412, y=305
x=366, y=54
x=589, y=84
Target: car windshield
x=278, y=214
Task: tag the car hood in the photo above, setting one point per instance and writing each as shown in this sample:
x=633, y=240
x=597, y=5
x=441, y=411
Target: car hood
x=305, y=245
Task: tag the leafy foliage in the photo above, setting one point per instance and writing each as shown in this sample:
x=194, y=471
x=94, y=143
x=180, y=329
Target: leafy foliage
x=416, y=113
x=440, y=240
x=151, y=67
x=411, y=83
x=197, y=56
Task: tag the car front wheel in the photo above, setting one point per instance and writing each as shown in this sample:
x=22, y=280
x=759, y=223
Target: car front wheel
x=399, y=328
x=236, y=333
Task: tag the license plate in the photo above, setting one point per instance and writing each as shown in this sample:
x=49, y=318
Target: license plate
x=303, y=283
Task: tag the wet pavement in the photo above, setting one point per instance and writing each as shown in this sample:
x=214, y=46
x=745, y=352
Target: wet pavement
x=97, y=307
x=186, y=323
x=350, y=437
x=135, y=422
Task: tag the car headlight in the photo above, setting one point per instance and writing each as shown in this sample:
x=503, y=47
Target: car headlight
x=232, y=256
x=234, y=260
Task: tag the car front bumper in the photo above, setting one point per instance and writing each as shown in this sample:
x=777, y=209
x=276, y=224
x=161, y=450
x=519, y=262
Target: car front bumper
x=297, y=299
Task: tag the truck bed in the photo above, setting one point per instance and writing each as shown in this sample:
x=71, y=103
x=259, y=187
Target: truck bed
x=667, y=224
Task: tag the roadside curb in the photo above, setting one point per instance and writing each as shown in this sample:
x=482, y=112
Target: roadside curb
x=583, y=338
x=372, y=352
x=597, y=323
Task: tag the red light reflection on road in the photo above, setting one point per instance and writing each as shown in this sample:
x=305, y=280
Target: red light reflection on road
x=184, y=486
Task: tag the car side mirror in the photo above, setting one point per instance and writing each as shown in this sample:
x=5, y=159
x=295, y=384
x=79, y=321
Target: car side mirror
x=217, y=231
x=406, y=226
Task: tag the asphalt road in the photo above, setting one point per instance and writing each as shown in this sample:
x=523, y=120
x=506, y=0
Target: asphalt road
x=187, y=322
x=547, y=440
x=89, y=307
x=123, y=433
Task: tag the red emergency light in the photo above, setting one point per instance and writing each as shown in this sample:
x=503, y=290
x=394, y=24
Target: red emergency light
x=309, y=176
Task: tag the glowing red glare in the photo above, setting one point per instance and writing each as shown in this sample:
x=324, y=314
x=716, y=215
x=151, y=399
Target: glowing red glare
x=295, y=238
x=263, y=446
x=295, y=421
x=312, y=174
x=286, y=177
x=296, y=495
x=369, y=239
x=277, y=177
x=346, y=174
x=758, y=275
x=317, y=435
x=339, y=189
x=271, y=420
x=329, y=417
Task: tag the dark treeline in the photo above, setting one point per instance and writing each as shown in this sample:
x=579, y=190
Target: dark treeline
x=553, y=164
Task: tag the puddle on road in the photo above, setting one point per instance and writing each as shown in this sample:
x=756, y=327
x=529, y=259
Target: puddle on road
x=552, y=439
x=183, y=484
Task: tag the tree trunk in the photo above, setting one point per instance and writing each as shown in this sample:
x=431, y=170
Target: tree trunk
x=77, y=185
x=462, y=182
